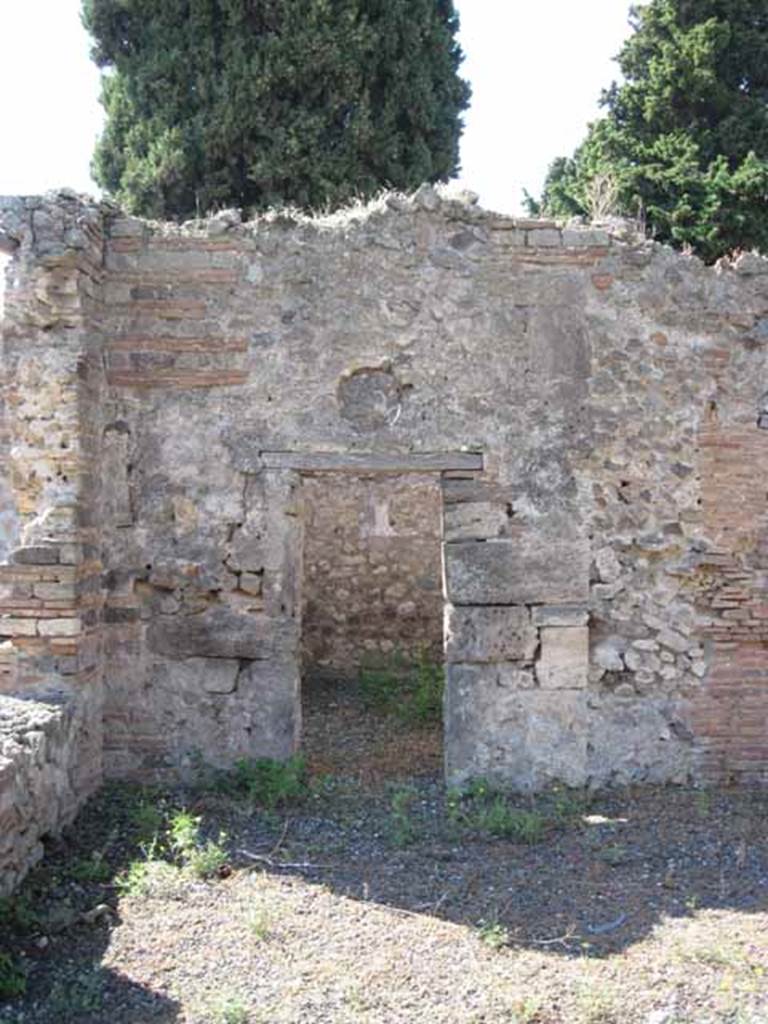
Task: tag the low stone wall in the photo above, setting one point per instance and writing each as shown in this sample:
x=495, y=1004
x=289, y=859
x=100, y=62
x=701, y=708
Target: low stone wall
x=44, y=777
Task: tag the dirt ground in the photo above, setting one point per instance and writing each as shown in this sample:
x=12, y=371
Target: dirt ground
x=372, y=900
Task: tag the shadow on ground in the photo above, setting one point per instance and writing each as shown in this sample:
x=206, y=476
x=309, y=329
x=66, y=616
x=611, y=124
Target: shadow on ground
x=575, y=877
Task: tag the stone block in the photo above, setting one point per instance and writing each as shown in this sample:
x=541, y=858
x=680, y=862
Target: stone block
x=531, y=568
x=251, y=583
x=258, y=717
x=18, y=627
x=42, y=554
x=560, y=615
x=564, y=660
x=639, y=740
x=55, y=591
x=474, y=520
x=223, y=633
x=490, y=634
x=59, y=627
x=522, y=738
x=585, y=238
x=545, y=238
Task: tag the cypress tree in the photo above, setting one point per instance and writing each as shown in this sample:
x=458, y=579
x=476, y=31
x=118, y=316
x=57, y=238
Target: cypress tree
x=685, y=138
x=254, y=103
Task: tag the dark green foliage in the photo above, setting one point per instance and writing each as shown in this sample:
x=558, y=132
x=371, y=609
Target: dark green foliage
x=410, y=689
x=254, y=103
x=684, y=143
x=266, y=782
x=13, y=981
x=481, y=807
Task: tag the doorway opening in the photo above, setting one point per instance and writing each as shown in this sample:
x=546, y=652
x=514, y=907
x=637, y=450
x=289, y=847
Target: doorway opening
x=372, y=624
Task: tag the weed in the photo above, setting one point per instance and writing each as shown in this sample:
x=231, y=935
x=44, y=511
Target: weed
x=13, y=981
x=493, y=934
x=614, y=854
x=209, y=859
x=703, y=803
x=204, y=859
x=147, y=819
x=596, y=1006
x=266, y=782
x=184, y=833
x=90, y=869
x=260, y=924
x=568, y=805
x=231, y=1010
x=505, y=822
x=78, y=995
x=526, y=1010
x=425, y=703
x=381, y=682
x=410, y=690
x=715, y=955
x=404, y=829
x=149, y=878
x=481, y=807
x=18, y=913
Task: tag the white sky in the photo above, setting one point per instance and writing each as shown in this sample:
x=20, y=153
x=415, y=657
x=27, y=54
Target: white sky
x=536, y=68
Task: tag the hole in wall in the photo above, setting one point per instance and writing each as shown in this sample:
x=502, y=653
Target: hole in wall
x=372, y=625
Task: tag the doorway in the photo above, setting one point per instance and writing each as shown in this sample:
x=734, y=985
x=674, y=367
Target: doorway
x=372, y=623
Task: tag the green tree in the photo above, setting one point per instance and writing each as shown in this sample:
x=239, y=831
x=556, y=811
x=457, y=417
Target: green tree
x=254, y=103
x=684, y=141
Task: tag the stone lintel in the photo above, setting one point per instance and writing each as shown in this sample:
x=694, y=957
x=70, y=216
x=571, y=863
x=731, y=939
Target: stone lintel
x=373, y=462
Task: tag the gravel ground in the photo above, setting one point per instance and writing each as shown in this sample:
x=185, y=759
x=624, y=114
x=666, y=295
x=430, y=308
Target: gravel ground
x=370, y=901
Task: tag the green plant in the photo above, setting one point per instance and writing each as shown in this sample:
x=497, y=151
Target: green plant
x=260, y=924
x=493, y=934
x=230, y=1010
x=149, y=878
x=703, y=803
x=90, y=869
x=381, y=682
x=266, y=782
x=568, y=805
x=480, y=807
x=184, y=832
x=505, y=822
x=146, y=818
x=410, y=690
x=426, y=685
x=404, y=829
x=78, y=995
x=269, y=102
x=17, y=912
x=209, y=859
x=614, y=854
x=596, y=1005
x=13, y=981
x=683, y=143
x=526, y=1010
x=203, y=858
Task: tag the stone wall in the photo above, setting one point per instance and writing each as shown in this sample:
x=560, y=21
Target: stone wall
x=589, y=405
x=43, y=778
x=373, y=576
x=51, y=393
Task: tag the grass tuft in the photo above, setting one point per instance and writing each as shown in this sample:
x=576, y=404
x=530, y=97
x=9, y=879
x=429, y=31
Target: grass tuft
x=266, y=782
